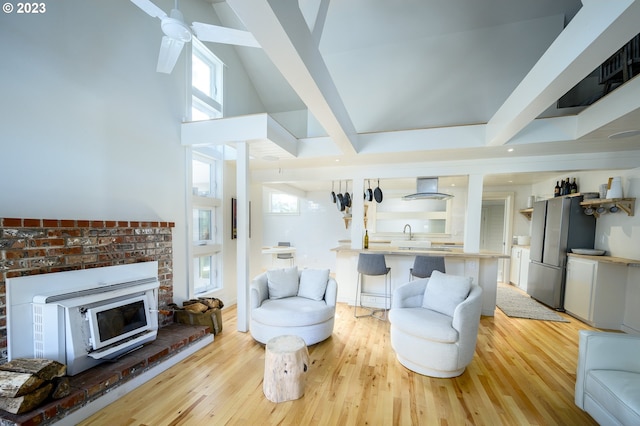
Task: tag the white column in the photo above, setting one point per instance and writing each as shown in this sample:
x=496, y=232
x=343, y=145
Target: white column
x=472, y=221
x=242, y=257
x=357, y=214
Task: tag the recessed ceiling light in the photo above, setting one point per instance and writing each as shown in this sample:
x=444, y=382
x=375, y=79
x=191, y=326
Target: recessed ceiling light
x=625, y=134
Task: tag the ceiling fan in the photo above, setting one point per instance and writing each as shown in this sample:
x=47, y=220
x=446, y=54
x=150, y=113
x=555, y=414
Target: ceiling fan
x=177, y=33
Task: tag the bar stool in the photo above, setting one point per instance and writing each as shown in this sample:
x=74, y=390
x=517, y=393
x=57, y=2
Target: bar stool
x=373, y=265
x=423, y=266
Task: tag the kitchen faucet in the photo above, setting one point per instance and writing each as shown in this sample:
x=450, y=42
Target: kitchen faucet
x=405, y=230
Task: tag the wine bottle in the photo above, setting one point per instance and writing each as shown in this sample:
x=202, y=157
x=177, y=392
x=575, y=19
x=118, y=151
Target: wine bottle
x=556, y=190
x=366, y=239
x=574, y=186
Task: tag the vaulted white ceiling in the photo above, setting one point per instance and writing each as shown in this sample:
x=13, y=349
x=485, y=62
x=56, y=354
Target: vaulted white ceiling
x=386, y=81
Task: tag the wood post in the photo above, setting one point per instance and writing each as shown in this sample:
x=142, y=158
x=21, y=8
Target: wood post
x=285, y=363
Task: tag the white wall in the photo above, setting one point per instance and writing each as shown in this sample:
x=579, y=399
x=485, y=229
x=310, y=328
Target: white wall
x=88, y=129
x=314, y=232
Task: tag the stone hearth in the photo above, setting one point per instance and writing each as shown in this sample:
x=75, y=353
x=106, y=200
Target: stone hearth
x=97, y=387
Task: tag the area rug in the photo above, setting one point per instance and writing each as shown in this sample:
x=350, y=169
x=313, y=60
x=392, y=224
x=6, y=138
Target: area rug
x=516, y=304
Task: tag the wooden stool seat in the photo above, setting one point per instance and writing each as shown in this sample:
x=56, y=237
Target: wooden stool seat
x=285, y=362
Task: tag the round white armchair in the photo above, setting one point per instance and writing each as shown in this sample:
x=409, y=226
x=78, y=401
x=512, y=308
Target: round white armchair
x=434, y=324
x=288, y=301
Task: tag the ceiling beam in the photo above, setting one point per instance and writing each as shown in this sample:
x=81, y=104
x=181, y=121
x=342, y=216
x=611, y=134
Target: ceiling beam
x=245, y=128
x=598, y=30
x=285, y=37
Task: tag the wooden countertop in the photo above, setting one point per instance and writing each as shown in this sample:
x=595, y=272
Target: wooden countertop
x=608, y=259
x=450, y=252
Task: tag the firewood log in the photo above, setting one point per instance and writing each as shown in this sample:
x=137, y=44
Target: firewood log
x=45, y=369
x=14, y=384
x=61, y=387
x=27, y=402
x=196, y=307
x=212, y=303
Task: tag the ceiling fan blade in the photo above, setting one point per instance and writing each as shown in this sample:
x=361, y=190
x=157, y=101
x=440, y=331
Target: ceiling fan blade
x=150, y=8
x=169, y=52
x=216, y=34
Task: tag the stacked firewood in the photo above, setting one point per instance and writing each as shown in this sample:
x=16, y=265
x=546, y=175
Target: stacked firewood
x=201, y=311
x=25, y=383
x=202, y=304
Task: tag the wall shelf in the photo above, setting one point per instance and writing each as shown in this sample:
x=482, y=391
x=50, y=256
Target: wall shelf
x=627, y=205
x=347, y=216
x=527, y=212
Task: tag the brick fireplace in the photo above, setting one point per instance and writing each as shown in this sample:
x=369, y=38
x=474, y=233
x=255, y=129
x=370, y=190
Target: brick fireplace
x=41, y=246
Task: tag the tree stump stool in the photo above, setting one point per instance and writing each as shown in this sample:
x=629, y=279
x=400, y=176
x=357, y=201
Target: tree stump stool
x=285, y=363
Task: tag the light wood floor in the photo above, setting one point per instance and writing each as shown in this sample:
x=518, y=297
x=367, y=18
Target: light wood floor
x=523, y=373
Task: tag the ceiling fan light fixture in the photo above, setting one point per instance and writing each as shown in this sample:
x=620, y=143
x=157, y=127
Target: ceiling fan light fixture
x=173, y=26
x=625, y=134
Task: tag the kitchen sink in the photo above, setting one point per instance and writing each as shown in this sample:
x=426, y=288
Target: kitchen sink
x=410, y=244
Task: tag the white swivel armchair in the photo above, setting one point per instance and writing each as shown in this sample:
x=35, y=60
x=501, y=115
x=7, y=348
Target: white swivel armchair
x=288, y=301
x=608, y=377
x=434, y=324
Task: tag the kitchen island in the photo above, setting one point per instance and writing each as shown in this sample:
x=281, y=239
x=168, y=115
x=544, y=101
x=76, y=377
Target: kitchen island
x=482, y=267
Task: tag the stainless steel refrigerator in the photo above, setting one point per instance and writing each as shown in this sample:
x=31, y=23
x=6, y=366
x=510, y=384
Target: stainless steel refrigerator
x=557, y=226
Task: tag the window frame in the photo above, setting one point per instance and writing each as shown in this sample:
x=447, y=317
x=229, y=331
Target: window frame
x=211, y=105
x=278, y=213
x=213, y=202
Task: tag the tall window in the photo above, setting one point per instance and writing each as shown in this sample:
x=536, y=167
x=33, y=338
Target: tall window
x=206, y=83
x=206, y=242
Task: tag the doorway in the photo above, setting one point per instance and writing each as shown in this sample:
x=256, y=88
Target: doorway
x=495, y=227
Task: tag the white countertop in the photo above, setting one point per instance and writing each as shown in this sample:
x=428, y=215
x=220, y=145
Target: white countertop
x=608, y=259
x=449, y=252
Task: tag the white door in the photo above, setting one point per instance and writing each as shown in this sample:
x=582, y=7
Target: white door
x=492, y=229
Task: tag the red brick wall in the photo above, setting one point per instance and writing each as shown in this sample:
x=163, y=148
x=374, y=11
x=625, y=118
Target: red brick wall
x=42, y=246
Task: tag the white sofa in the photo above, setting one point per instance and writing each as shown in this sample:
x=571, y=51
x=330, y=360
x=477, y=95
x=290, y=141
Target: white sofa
x=288, y=301
x=434, y=324
x=608, y=377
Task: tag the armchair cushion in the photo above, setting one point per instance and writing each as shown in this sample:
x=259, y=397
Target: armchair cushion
x=619, y=391
x=608, y=377
x=433, y=325
x=293, y=312
x=282, y=282
x=445, y=291
x=313, y=283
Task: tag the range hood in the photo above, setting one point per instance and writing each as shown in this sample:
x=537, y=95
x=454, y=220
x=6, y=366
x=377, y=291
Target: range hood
x=427, y=189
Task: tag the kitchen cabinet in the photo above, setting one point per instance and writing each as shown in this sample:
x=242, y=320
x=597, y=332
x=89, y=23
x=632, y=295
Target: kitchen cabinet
x=519, y=271
x=595, y=292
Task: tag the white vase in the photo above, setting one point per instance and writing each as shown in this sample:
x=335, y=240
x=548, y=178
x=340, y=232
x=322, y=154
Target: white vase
x=615, y=190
